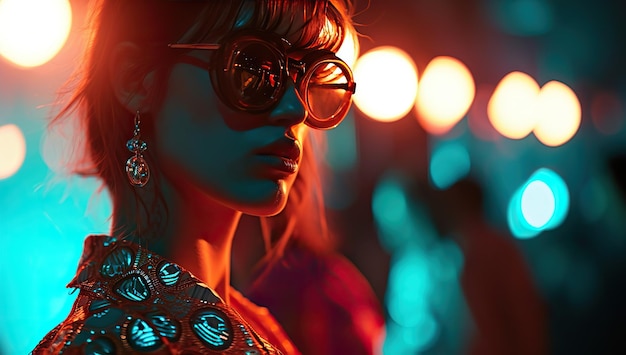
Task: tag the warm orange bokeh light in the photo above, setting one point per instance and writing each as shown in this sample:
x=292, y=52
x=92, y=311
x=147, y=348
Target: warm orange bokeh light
x=445, y=94
x=511, y=107
x=33, y=31
x=386, y=80
x=558, y=114
x=12, y=150
x=349, y=49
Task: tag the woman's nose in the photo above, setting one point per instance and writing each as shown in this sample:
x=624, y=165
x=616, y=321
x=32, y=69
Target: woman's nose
x=290, y=109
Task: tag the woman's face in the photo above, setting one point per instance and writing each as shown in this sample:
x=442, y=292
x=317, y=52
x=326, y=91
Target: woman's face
x=246, y=162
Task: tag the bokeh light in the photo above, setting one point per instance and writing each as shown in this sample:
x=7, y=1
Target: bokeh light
x=517, y=223
x=541, y=203
x=47, y=225
x=511, y=107
x=391, y=213
x=386, y=83
x=446, y=91
x=558, y=114
x=12, y=150
x=33, y=31
x=59, y=145
x=410, y=288
x=523, y=17
x=389, y=203
x=537, y=203
x=449, y=162
x=349, y=49
x=400, y=340
x=561, y=195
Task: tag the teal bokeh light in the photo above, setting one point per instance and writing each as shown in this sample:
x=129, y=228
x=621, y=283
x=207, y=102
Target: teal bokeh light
x=391, y=213
x=422, y=295
x=523, y=17
x=43, y=222
x=449, y=162
x=409, y=287
x=408, y=300
x=42, y=236
x=540, y=204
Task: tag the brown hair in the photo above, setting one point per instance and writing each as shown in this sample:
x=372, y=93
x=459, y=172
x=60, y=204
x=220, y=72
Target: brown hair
x=151, y=24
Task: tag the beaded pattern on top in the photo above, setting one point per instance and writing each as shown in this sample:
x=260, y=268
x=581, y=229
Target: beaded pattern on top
x=134, y=301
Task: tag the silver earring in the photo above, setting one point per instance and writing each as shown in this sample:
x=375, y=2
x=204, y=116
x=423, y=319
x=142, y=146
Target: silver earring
x=137, y=168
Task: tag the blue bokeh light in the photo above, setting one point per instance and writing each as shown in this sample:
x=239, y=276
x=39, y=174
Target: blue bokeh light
x=540, y=204
x=537, y=203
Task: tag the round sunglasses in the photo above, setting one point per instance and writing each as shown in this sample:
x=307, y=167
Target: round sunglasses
x=250, y=69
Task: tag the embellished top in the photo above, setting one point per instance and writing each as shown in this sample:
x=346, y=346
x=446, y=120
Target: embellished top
x=134, y=301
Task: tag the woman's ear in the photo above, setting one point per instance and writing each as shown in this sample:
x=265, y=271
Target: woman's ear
x=129, y=82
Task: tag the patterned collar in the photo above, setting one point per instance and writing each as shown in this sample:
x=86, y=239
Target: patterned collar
x=132, y=300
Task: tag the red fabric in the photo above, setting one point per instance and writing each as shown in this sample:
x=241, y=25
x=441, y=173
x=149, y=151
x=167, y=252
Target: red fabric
x=323, y=302
x=263, y=322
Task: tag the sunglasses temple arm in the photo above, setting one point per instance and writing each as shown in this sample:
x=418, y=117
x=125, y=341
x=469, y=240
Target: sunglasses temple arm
x=206, y=46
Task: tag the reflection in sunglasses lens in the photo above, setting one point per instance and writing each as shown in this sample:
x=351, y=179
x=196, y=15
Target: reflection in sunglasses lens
x=256, y=74
x=327, y=91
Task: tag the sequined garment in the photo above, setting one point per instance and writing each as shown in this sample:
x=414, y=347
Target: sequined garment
x=134, y=301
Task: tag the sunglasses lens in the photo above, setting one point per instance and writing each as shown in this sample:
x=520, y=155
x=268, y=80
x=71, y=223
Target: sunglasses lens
x=252, y=74
x=256, y=74
x=329, y=91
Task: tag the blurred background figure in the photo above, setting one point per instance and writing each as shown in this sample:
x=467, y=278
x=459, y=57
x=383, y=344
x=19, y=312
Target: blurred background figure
x=506, y=308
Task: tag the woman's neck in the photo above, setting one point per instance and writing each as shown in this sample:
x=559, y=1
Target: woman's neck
x=197, y=234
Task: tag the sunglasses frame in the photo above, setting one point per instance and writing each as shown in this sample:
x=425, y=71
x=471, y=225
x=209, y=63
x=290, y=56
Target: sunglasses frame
x=299, y=71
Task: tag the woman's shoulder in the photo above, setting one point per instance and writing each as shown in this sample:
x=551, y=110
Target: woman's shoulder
x=131, y=300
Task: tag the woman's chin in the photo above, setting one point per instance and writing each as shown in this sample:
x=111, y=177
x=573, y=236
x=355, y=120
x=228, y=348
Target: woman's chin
x=268, y=204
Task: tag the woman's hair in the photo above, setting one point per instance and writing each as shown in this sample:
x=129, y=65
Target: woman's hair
x=106, y=124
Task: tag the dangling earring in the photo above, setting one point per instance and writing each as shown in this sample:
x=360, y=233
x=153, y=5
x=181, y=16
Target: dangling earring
x=136, y=166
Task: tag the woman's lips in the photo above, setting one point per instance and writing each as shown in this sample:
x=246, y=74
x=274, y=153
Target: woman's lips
x=282, y=155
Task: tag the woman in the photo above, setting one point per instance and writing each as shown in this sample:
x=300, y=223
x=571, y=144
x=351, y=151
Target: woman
x=194, y=113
